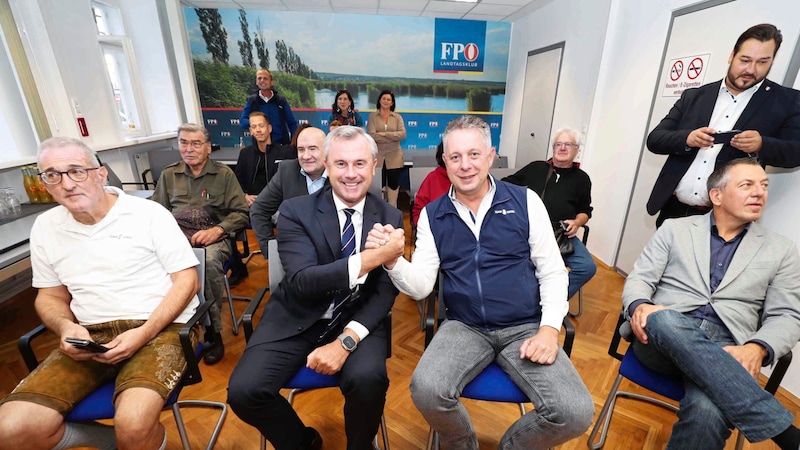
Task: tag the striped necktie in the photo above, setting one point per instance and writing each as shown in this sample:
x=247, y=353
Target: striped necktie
x=348, y=234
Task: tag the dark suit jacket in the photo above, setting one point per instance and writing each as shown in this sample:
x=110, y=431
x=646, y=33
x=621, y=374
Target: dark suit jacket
x=774, y=111
x=309, y=243
x=247, y=165
x=287, y=183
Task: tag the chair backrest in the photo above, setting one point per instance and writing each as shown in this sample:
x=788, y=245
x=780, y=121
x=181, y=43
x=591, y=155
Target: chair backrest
x=159, y=160
x=377, y=183
x=113, y=179
x=200, y=254
x=501, y=173
x=416, y=176
x=276, y=272
x=424, y=161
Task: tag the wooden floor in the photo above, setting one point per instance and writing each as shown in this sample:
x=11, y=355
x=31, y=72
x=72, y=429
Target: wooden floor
x=635, y=426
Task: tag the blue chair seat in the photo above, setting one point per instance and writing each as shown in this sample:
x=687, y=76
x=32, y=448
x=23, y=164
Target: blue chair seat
x=668, y=386
x=98, y=405
x=493, y=385
x=306, y=378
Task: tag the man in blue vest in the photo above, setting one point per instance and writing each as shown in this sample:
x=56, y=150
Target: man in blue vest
x=505, y=290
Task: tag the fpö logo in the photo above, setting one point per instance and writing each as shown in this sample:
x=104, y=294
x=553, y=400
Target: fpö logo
x=211, y=121
x=411, y=123
x=459, y=46
x=422, y=135
x=494, y=125
x=234, y=121
x=302, y=121
x=225, y=133
x=433, y=124
x=455, y=51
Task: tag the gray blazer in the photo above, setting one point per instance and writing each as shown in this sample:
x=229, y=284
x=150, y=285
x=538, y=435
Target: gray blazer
x=287, y=183
x=759, y=297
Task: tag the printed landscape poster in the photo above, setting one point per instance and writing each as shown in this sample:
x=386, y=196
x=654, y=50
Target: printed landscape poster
x=438, y=69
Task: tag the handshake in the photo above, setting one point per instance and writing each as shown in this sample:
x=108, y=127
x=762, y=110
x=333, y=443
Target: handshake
x=389, y=242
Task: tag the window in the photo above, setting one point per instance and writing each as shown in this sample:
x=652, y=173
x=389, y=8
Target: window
x=120, y=65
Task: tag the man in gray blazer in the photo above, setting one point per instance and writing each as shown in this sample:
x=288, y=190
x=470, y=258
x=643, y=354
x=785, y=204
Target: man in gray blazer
x=714, y=298
x=295, y=177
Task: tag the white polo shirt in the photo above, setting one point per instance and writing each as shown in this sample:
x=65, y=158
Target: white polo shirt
x=116, y=269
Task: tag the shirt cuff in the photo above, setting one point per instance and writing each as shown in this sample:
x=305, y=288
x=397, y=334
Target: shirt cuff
x=635, y=304
x=770, y=352
x=360, y=330
x=353, y=269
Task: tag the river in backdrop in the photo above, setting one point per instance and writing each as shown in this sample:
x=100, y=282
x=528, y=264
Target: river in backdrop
x=324, y=100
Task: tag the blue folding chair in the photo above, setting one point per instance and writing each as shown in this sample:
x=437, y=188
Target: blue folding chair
x=492, y=384
x=99, y=406
x=305, y=379
x=670, y=387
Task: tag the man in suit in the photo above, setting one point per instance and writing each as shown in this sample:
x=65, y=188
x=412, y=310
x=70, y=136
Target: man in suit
x=295, y=177
x=714, y=298
x=767, y=114
x=329, y=309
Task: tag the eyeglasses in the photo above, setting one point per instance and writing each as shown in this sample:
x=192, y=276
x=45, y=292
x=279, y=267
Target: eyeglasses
x=194, y=144
x=76, y=174
x=565, y=144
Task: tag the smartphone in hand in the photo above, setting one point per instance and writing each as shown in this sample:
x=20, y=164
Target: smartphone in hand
x=724, y=137
x=85, y=344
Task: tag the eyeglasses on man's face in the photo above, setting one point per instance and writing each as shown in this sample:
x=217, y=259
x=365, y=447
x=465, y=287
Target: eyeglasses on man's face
x=76, y=174
x=194, y=144
x=568, y=145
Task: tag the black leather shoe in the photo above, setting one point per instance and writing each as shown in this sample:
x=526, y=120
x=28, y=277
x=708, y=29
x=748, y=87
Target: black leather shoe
x=214, y=353
x=238, y=273
x=313, y=440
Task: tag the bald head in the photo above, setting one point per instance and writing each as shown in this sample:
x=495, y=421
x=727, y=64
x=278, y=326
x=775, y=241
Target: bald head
x=309, y=151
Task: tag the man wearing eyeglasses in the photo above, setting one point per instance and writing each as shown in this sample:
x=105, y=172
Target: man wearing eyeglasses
x=273, y=105
x=208, y=203
x=566, y=191
x=258, y=163
x=113, y=269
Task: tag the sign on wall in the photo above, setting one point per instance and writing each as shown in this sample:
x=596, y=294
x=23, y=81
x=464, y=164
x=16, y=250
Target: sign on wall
x=458, y=46
x=684, y=73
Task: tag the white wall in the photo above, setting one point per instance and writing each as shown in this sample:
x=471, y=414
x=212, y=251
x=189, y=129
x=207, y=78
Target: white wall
x=581, y=25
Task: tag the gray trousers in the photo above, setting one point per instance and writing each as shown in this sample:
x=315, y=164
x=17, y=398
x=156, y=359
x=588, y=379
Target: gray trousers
x=216, y=255
x=458, y=353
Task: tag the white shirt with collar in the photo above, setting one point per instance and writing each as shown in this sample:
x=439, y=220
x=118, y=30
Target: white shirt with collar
x=353, y=262
x=692, y=189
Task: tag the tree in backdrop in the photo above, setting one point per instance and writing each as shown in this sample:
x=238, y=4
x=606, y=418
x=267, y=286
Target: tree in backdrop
x=214, y=34
x=245, y=45
x=261, y=48
x=288, y=61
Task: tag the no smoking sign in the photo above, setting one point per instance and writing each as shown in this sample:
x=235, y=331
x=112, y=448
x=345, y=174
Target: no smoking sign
x=684, y=73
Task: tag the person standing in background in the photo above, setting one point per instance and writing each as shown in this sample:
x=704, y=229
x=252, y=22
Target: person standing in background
x=273, y=105
x=388, y=129
x=343, y=110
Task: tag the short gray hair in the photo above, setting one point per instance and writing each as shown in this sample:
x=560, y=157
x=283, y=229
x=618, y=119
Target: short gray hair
x=719, y=177
x=348, y=133
x=569, y=131
x=469, y=122
x=63, y=141
x=195, y=128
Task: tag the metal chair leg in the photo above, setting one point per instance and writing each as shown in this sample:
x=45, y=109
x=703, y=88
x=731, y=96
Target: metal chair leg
x=580, y=305
x=176, y=411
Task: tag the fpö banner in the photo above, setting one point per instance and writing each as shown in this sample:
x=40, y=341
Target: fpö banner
x=458, y=46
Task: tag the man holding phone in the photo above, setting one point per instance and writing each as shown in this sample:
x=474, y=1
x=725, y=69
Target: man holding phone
x=110, y=269
x=742, y=115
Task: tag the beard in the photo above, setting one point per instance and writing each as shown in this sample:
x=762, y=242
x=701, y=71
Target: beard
x=743, y=80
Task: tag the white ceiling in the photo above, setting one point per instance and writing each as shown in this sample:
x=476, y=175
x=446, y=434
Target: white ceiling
x=490, y=10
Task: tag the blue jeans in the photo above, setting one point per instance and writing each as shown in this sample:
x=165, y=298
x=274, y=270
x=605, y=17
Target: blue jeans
x=581, y=267
x=458, y=353
x=720, y=393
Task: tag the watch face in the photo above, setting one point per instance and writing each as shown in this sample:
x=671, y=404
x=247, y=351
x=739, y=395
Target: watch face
x=348, y=343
